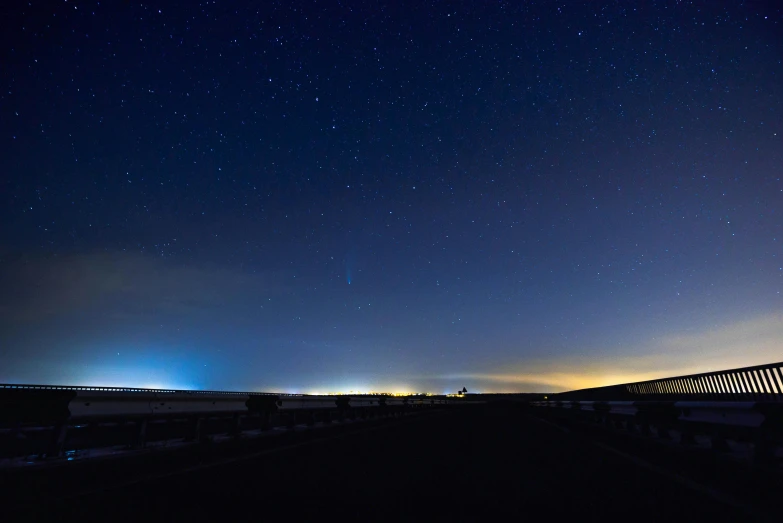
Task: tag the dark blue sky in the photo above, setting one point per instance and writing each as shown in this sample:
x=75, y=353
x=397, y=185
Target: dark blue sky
x=322, y=196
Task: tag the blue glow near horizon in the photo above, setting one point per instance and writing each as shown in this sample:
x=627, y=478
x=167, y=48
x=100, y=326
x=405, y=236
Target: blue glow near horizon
x=129, y=367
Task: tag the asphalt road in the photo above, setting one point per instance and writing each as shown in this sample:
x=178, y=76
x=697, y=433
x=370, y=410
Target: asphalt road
x=474, y=464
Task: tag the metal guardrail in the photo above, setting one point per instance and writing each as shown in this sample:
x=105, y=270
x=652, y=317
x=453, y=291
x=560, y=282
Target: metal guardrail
x=46, y=420
x=757, y=383
x=54, y=404
x=759, y=424
x=134, y=389
x=736, y=413
x=737, y=405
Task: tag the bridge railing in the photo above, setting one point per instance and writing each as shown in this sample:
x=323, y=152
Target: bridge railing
x=45, y=421
x=20, y=386
x=739, y=406
x=757, y=383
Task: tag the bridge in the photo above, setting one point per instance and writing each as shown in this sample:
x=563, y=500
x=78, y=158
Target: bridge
x=704, y=447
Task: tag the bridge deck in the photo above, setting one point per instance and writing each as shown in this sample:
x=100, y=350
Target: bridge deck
x=474, y=464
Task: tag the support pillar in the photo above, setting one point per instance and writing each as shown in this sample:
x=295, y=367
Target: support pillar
x=140, y=440
x=686, y=437
x=196, y=430
x=236, y=426
x=718, y=442
x=58, y=440
x=763, y=449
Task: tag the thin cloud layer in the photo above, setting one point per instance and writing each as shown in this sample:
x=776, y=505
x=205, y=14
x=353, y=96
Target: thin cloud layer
x=117, y=285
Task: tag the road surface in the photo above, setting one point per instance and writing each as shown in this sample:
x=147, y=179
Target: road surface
x=474, y=464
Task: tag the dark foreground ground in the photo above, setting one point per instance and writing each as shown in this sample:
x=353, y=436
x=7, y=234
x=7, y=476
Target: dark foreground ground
x=470, y=464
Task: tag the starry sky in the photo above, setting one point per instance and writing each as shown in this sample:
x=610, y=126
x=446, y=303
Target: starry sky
x=409, y=195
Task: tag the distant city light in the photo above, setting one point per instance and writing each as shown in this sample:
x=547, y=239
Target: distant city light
x=376, y=393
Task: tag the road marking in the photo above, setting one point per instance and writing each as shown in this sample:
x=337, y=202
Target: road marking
x=552, y=424
x=716, y=495
x=227, y=461
x=669, y=474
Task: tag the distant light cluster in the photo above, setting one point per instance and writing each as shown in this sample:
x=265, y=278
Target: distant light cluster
x=375, y=393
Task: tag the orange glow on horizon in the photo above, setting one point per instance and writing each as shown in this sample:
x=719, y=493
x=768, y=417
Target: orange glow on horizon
x=741, y=344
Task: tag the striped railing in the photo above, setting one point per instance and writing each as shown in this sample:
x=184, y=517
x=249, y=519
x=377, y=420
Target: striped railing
x=757, y=383
x=132, y=389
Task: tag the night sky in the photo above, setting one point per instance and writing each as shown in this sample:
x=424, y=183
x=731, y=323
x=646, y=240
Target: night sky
x=403, y=196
